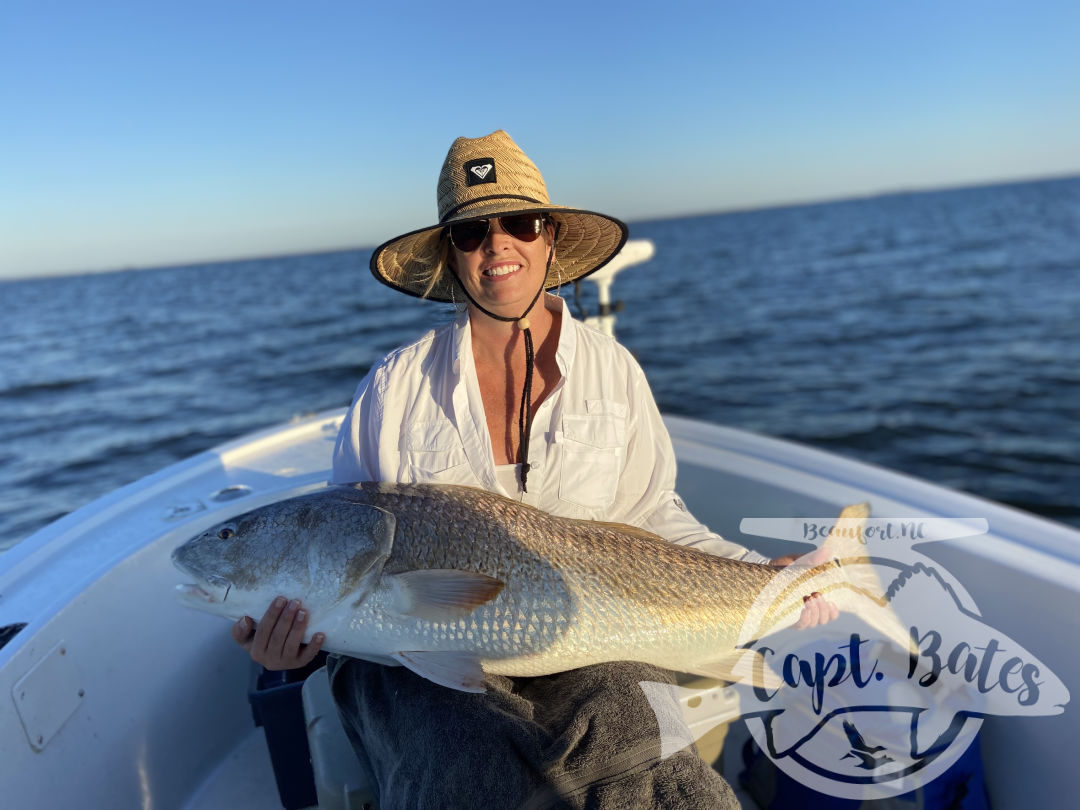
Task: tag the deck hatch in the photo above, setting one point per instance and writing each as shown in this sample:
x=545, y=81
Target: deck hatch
x=47, y=695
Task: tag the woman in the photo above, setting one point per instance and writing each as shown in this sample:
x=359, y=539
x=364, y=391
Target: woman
x=516, y=397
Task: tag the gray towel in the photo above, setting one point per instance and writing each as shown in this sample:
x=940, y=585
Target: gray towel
x=585, y=739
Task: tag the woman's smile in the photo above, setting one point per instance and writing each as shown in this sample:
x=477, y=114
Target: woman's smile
x=500, y=270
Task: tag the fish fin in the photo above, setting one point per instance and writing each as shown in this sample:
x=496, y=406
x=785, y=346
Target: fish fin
x=454, y=670
x=442, y=594
x=844, y=550
x=739, y=666
x=846, y=543
x=846, y=546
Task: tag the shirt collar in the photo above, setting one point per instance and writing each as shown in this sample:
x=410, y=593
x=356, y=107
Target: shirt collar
x=462, y=340
x=564, y=352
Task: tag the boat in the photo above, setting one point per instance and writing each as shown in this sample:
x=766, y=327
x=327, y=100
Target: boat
x=115, y=695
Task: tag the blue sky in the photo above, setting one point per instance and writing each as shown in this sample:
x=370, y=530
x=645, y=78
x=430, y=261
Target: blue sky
x=145, y=133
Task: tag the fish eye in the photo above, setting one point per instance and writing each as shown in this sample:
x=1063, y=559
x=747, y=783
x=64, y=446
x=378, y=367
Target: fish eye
x=227, y=533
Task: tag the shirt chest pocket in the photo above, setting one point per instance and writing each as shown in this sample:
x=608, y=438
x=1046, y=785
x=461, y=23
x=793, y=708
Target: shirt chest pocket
x=593, y=450
x=432, y=451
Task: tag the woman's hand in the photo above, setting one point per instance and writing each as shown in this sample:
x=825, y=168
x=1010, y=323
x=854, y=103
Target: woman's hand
x=276, y=641
x=816, y=609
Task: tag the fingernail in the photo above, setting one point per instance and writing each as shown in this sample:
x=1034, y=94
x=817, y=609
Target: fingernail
x=319, y=637
x=301, y=616
x=279, y=602
x=816, y=594
x=294, y=604
x=805, y=599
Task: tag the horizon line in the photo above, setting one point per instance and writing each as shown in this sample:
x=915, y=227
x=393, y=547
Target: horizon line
x=779, y=205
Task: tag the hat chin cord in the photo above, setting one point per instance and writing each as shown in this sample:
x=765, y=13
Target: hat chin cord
x=522, y=321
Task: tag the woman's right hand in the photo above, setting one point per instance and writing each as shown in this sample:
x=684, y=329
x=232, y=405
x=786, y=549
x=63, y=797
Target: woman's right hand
x=276, y=641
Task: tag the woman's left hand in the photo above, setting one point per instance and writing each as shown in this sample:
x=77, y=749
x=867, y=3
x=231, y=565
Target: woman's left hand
x=817, y=610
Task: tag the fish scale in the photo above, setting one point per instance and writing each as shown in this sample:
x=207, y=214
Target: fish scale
x=573, y=592
x=617, y=590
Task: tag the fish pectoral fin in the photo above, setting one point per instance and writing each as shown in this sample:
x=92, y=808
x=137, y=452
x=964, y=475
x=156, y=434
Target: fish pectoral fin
x=442, y=594
x=740, y=666
x=454, y=670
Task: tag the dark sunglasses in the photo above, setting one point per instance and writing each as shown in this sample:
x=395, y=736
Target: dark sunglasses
x=468, y=236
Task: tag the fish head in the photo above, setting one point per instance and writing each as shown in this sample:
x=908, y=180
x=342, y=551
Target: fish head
x=319, y=548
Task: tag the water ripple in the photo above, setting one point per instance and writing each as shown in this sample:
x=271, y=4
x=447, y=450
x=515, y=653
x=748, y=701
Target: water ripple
x=931, y=333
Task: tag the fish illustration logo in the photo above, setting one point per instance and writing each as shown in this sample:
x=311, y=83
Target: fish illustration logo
x=888, y=696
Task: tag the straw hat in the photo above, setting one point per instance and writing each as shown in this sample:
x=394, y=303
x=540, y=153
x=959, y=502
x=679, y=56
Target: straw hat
x=487, y=177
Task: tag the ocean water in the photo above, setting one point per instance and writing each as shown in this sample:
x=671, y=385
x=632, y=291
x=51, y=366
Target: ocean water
x=935, y=333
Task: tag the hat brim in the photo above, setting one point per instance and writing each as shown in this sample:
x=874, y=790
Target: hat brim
x=587, y=241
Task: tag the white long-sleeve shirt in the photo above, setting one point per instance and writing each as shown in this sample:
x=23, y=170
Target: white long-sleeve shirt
x=598, y=448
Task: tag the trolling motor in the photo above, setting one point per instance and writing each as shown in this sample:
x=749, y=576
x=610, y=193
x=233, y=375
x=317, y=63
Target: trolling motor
x=635, y=251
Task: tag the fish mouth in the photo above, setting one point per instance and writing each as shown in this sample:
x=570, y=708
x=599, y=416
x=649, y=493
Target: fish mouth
x=212, y=591
x=203, y=590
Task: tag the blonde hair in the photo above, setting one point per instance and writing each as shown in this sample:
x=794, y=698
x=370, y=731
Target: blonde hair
x=431, y=263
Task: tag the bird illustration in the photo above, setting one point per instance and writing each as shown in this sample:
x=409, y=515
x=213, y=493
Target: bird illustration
x=862, y=751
